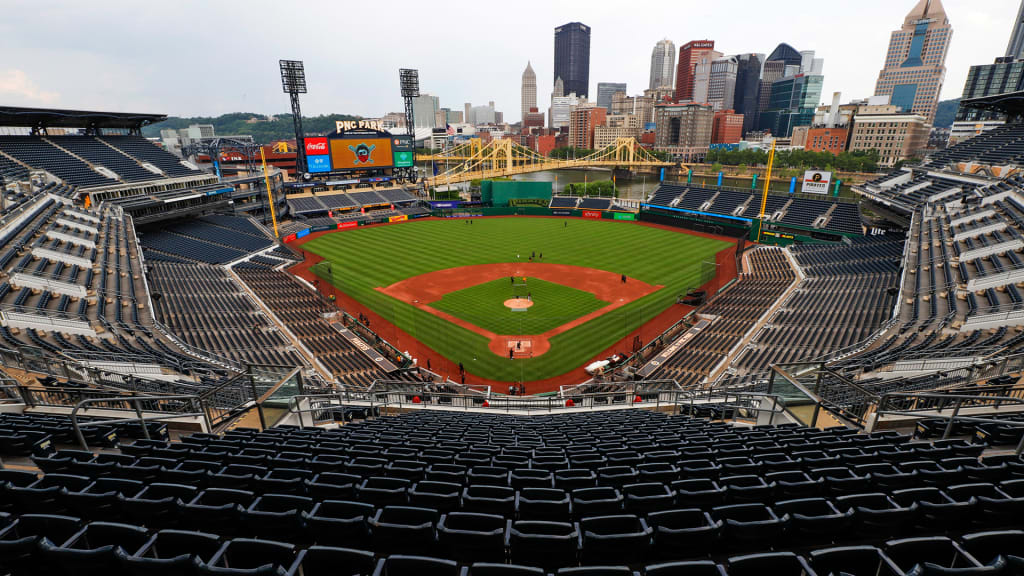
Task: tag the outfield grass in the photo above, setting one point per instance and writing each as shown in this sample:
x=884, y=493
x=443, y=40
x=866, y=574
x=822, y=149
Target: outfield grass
x=365, y=258
x=483, y=305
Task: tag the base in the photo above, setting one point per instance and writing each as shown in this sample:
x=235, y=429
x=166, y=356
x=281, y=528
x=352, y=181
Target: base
x=520, y=347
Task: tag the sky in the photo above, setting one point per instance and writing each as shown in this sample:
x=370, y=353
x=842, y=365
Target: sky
x=209, y=57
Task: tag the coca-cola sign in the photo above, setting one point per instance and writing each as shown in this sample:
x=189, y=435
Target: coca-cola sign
x=316, y=146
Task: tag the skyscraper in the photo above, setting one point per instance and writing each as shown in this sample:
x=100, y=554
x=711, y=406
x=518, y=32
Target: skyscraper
x=663, y=64
x=722, y=83
x=915, y=65
x=792, y=103
x=748, y=81
x=690, y=54
x=702, y=76
x=572, y=57
x=773, y=70
x=1015, y=49
x=528, y=97
x=788, y=55
x=605, y=91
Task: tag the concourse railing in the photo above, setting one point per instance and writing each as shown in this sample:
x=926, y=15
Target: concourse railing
x=975, y=405
x=172, y=407
x=321, y=409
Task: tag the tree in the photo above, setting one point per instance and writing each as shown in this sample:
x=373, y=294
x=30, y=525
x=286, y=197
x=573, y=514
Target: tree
x=263, y=129
x=568, y=152
x=599, y=188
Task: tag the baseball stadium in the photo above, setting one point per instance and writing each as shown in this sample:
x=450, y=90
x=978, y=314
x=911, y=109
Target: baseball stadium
x=362, y=361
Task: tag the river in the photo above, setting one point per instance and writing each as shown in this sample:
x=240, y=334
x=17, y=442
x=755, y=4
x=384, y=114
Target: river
x=631, y=189
x=642, y=186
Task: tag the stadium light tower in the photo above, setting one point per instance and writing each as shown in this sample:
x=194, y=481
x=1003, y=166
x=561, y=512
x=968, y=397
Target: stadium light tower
x=293, y=81
x=410, y=82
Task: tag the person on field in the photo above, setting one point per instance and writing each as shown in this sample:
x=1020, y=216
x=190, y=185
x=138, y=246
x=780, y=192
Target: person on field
x=623, y=278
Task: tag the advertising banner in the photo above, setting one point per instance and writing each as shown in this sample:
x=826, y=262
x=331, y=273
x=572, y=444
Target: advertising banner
x=288, y=238
x=318, y=164
x=316, y=146
x=592, y=214
x=302, y=233
x=399, y=218
x=451, y=204
x=816, y=182
x=346, y=225
x=625, y=216
x=403, y=159
x=361, y=153
x=561, y=212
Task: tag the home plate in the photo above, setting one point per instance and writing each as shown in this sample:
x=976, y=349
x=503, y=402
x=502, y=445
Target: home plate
x=520, y=347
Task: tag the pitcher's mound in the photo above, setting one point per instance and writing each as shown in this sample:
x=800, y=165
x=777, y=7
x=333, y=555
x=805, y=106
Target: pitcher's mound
x=517, y=304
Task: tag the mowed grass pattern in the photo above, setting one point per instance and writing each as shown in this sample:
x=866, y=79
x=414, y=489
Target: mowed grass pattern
x=366, y=258
x=484, y=305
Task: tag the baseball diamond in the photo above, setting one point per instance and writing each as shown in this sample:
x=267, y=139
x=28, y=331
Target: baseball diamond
x=444, y=284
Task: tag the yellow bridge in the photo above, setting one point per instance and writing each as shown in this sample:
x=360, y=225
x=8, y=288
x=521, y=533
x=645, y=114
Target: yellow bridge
x=474, y=161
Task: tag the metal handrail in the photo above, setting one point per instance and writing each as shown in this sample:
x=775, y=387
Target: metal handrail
x=141, y=419
x=680, y=401
x=961, y=399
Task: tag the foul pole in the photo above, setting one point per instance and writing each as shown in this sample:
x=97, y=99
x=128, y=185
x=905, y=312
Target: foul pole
x=764, y=197
x=270, y=197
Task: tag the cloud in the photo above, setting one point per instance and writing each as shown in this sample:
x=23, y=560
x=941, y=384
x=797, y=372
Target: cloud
x=16, y=85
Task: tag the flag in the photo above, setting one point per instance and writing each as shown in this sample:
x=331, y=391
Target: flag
x=451, y=131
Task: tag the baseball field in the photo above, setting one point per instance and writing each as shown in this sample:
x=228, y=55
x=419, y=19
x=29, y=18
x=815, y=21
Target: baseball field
x=515, y=298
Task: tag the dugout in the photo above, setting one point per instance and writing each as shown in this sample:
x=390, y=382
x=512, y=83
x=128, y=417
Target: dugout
x=499, y=193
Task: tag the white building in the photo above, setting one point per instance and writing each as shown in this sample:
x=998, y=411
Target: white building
x=424, y=110
x=561, y=109
x=722, y=83
x=528, y=96
x=702, y=76
x=663, y=65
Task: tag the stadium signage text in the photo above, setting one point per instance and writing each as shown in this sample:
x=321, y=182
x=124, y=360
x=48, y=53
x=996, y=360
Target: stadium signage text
x=591, y=214
x=671, y=349
x=344, y=125
x=365, y=348
x=316, y=146
x=344, y=225
x=816, y=182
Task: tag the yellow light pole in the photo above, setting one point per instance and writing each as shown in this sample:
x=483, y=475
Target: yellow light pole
x=270, y=197
x=767, y=183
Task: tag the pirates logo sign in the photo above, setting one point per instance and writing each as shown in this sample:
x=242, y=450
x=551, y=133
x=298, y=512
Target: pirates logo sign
x=362, y=153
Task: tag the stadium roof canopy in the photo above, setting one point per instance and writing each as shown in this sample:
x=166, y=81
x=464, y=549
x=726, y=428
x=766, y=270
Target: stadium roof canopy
x=38, y=118
x=1009, y=103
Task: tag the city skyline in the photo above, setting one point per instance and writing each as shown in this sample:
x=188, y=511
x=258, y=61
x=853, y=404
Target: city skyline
x=121, y=73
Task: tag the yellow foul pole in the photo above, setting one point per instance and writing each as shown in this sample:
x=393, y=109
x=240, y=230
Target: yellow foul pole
x=767, y=183
x=270, y=197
